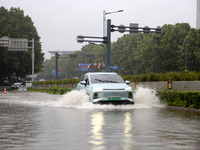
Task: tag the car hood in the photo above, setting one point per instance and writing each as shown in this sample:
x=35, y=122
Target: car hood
x=111, y=86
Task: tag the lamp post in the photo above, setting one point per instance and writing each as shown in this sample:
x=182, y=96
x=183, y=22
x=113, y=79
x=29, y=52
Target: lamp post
x=105, y=34
x=104, y=19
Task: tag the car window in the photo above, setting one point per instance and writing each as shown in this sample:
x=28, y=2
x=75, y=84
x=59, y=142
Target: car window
x=82, y=78
x=86, y=79
x=106, y=78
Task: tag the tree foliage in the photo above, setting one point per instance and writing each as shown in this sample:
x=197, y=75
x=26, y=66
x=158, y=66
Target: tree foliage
x=14, y=24
x=143, y=53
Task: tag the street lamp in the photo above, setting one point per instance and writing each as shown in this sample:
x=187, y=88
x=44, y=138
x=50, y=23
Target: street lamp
x=105, y=31
x=104, y=19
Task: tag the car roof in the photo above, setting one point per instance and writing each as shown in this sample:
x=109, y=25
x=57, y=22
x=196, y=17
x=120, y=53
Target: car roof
x=95, y=73
x=17, y=83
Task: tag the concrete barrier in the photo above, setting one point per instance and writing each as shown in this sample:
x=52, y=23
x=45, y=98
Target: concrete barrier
x=163, y=85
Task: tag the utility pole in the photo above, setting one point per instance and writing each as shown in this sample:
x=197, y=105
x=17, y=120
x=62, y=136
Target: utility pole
x=108, y=45
x=56, y=59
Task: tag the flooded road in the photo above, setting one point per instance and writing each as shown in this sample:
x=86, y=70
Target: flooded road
x=39, y=121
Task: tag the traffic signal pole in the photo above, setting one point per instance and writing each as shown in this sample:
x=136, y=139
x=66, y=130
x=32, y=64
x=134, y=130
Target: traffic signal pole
x=56, y=58
x=108, y=45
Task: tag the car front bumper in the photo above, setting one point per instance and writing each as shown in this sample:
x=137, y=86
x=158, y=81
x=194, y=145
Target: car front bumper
x=113, y=97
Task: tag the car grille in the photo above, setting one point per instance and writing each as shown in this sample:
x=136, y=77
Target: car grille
x=113, y=89
x=113, y=94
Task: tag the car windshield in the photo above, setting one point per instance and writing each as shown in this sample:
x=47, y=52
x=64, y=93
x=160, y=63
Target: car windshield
x=106, y=78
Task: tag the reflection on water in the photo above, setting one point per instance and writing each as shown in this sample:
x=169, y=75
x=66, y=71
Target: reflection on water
x=37, y=121
x=99, y=133
x=18, y=125
x=127, y=131
x=97, y=122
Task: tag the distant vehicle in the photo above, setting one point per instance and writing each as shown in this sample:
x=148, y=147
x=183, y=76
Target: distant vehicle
x=17, y=85
x=6, y=83
x=105, y=88
x=43, y=79
x=28, y=84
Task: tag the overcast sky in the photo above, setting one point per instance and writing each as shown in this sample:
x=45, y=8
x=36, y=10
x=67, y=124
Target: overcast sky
x=58, y=22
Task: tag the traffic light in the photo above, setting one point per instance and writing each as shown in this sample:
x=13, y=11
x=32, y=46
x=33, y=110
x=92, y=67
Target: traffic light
x=88, y=66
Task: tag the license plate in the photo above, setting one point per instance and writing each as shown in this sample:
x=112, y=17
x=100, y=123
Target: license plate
x=114, y=98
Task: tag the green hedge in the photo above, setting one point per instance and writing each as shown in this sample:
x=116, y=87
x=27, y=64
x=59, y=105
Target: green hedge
x=65, y=81
x=175, y=76
x=183, y=99
x=53, y=90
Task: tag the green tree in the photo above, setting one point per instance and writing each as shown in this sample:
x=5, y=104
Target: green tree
x=172, y=55
x=192, y=46
x=14, y=24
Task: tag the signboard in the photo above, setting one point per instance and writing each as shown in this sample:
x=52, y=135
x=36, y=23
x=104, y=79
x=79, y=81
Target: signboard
x=4, y=41
x=83, y=65
x=18, y=44
x=54, y=72
x=103, y=64
x=115, y=67
x=61, y=69
x=83, y=69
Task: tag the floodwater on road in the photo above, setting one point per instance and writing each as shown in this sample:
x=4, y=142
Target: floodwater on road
x=39, y=121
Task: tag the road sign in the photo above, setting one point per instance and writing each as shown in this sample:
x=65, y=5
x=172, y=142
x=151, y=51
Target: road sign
x=83, y=65
x=122, y=68
x=95, y=64
x=18, y=44
x=103, y=64
x=83, y=69
x=115, y=67
x=54, y=71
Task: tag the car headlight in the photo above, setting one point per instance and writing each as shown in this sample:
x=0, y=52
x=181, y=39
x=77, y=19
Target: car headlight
x=97, y=89
x=128, y=88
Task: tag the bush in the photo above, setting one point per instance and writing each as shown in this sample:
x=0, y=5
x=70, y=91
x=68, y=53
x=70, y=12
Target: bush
x=53, y=90
x=65, y=81
x=184, y=99
x=175, y=76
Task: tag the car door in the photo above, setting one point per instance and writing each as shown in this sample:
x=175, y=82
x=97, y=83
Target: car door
x=79, y=85
x=88, y=87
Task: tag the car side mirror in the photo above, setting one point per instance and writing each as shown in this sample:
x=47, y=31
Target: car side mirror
x=127, y=82
x=83, y=83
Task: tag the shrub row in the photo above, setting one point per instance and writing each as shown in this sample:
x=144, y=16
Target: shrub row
x=53, y=90
x=183, y=99
x=65, y=81
x=175, y=76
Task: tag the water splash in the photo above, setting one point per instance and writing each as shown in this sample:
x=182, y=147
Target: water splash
x=144, y=98
x=73, y=99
